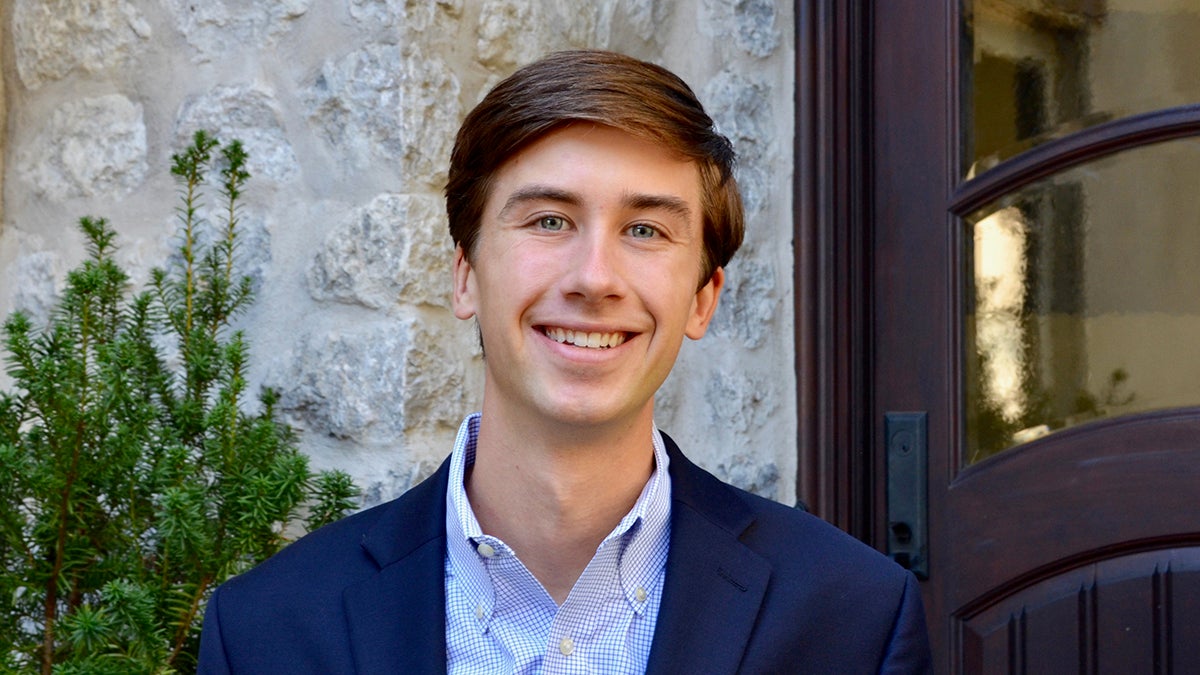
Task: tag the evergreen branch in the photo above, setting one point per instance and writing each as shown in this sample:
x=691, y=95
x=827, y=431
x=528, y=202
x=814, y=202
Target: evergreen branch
x=189, y=166
x=82, y=292
x=186, y=622
x=235, y=176
x=136, y=486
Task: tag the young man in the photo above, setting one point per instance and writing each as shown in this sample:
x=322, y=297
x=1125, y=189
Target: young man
x=594, y=209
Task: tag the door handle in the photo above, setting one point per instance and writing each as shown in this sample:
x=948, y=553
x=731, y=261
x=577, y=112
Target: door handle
x=907, y=490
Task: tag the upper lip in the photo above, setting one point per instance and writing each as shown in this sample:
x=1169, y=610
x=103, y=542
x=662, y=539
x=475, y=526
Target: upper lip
x=582, y=328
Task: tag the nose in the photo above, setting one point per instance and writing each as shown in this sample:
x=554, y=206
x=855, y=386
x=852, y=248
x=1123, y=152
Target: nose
x=595, y=268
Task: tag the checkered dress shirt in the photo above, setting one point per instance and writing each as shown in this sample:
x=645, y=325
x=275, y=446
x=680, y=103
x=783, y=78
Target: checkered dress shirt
x=499, y=618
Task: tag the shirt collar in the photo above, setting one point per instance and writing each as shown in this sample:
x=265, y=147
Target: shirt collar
x=644, y=532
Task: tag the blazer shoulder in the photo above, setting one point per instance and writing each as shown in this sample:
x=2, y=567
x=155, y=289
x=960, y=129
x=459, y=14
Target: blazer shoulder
x=827, y=602
x=783, y=535
x=319, y=565
x=782, y=532
x=299, y=610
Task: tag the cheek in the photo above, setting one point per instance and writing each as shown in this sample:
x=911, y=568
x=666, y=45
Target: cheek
x=670, y=300
x=530, y=269
x=507, y=286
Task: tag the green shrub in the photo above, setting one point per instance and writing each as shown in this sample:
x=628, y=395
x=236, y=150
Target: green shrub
x=132, y=487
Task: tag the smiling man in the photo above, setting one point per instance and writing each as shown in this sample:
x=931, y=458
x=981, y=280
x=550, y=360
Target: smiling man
x=593, y=207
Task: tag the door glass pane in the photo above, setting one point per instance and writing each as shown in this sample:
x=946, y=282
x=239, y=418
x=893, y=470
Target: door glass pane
x=1035, y=70
x=1083, y=297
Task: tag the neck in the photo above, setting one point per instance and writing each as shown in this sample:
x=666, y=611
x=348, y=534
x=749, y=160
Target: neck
x=553, y=495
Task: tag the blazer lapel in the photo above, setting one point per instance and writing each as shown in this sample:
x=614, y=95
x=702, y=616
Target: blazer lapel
x=713, y=590
x=714, y=584
x=397, y=618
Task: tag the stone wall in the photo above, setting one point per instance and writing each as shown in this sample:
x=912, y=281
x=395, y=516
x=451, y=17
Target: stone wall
x=348, y=110
x=4, y=41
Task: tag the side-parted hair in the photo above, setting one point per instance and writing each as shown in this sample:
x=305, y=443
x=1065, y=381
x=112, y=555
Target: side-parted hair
x=602, y=87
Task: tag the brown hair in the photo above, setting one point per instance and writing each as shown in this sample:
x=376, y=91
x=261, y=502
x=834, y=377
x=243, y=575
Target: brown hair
x=607, y=88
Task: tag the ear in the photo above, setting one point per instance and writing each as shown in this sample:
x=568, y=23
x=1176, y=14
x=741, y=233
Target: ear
x=464, y=285
x=704, y=305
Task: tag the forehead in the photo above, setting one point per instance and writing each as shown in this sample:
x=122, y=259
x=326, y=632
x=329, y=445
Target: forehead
x=594, y=163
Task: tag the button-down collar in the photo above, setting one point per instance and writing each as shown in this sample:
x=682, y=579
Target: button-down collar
x=475, y=557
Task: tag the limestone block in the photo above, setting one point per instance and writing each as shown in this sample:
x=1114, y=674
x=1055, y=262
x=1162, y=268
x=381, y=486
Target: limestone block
x=397, y=481
x=393, y=251
x=88, y=147
x=348, y=384
x=376, y=383
x=34, y=280
x=741, y=108
x=380, y=13
x=739, y=403
x=430, y=113
x=252, y=256
x=501, y=41
x=724, y=419
x=667, y=400
x=644, y=17
x=378, y=103
x=245, y=113
x=436, y=392
x=355, y=101
x=412, y=16
x=750, y=24
x=217, y=27
x=750, y=473
x=51, y=38
x=749, y=302
x=514, y=33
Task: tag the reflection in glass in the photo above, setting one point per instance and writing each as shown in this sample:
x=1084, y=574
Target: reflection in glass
x=1035, y=70
x=1083, y=298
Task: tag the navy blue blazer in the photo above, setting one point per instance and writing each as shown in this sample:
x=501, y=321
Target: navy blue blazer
x=751, y=586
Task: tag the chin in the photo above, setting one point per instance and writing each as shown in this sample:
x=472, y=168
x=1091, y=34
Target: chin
x=595, y=416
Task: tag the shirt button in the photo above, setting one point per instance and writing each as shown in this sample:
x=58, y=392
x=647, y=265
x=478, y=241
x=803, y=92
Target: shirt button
x=640, y=594
x=566, y=646
x=486, y=550
x=478, y=611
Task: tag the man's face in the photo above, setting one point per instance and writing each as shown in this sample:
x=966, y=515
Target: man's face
x=584, y=277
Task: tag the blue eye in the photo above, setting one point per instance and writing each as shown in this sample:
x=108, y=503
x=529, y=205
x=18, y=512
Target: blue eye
x=642, y=231
x=552, y=223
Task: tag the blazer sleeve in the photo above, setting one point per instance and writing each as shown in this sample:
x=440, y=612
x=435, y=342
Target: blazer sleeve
x=907, y=651
x=212, y=648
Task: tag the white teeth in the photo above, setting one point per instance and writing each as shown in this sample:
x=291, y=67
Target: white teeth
x=583, y=339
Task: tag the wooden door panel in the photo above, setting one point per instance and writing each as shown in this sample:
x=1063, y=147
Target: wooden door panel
x=1184, y=617
x=1078, y=552
x=1132, y=613
x=1041, y=506
x=1050, y=634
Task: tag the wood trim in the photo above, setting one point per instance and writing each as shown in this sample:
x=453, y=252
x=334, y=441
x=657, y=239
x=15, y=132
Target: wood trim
x=911, y=240
x=835, y=469
x=1085, y=146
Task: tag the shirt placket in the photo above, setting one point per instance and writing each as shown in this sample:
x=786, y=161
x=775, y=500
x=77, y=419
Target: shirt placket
x=577, y=623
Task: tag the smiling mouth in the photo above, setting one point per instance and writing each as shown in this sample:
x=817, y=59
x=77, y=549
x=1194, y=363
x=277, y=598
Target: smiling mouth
x=584, y=339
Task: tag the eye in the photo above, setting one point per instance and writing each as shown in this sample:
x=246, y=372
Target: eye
x=552, y=223
x=642, y=231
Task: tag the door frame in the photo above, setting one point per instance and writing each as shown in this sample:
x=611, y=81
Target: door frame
x=837, y=466
x=851, y=109
x=840, y=220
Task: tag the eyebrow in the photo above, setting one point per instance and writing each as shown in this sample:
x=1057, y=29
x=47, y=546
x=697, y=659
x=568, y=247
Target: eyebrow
x=539, y=193
x=636, y=201
x=669, y=203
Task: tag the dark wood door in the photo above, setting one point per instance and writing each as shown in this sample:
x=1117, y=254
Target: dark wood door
x=1034, y=287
